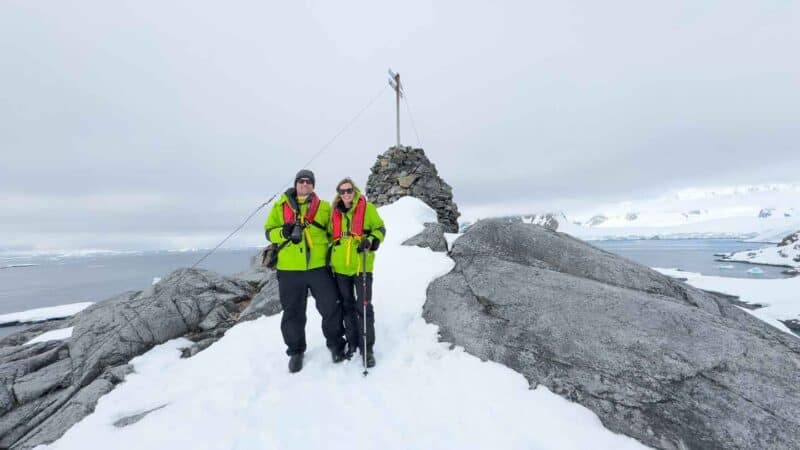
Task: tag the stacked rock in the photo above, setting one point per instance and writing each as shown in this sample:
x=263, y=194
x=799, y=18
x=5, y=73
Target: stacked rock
x=406, y=171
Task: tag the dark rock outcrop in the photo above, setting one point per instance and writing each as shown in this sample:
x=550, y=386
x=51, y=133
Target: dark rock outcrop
x=655, y=359
x=431, y=237
x=792, y=324
x=28, y=333
x=790, y=239
x=47, y=387
x=597, y=220
x=547, y=220
x=130, y=420
x=406, y=171
x=266, y=301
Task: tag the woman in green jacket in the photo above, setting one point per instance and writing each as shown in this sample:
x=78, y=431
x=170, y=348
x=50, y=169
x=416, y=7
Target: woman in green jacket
x=357, y=230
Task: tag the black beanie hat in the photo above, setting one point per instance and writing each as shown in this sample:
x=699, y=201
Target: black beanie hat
x=305, y=173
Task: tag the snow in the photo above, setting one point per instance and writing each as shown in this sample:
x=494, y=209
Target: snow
x=781, y=297
x=451, y=238
x=771, y=203
x=741, y=228
x=65, y=253
x=784, y=255
x=238, y=394
x=52, y=335
x=761, y=213
x=775, y=236
x=42, y=314
x=13, y=266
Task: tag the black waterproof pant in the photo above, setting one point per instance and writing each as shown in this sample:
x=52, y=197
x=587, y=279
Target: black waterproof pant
x=353, y=309
x=293, y=287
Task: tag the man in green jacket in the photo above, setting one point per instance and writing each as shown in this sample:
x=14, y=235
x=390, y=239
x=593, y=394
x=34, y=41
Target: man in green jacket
x=298, y=225
x=357, y=229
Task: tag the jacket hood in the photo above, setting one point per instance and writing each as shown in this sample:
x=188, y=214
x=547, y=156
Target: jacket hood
x=290, y=195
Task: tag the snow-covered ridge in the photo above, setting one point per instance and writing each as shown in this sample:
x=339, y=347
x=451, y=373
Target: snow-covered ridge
x=14, y=266
x=760, y=213
x=739, y=228
x=43, y=314
x=64, y=253
x=778, y=297
x=786, y=253
x=732, y=191
x=52, y=335
x=87, y=253
x=778, y=202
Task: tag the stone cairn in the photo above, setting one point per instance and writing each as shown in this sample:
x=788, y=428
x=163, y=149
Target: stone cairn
x=406, y=171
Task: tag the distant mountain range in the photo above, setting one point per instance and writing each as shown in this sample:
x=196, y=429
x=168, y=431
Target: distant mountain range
x=762, y=213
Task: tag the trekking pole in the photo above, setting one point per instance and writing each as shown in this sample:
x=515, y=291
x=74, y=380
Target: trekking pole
x=364, y=305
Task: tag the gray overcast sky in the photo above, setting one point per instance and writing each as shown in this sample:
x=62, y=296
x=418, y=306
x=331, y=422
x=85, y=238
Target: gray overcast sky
x=145, y=117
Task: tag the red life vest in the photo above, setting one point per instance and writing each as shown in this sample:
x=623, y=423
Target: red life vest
x=357, y=226
x=288, y=212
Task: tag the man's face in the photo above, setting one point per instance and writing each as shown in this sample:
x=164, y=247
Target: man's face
x=303, y=186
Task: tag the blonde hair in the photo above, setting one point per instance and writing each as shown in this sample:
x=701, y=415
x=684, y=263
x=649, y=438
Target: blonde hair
x=345, y=180
x=339, y=184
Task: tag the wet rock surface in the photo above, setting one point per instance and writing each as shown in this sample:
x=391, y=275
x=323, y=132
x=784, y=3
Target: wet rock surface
x=670, y=365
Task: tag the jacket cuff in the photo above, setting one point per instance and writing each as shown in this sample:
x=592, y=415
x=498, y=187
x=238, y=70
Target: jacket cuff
x=274, y=235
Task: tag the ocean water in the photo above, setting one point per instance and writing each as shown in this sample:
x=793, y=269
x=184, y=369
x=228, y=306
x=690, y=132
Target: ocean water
x=692, y=255
x=28, y=282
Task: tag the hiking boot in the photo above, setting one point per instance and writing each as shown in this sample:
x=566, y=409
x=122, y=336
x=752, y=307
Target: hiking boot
x=350, y=351
x=295, y=363
x=337, y=355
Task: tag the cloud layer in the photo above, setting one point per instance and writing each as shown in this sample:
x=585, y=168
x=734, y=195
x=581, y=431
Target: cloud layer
x=182, y=117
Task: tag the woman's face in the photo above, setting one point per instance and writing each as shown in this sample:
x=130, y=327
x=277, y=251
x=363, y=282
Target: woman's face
x=346, y=192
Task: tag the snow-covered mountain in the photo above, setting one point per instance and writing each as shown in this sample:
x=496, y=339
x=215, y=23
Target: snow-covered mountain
x=761, y=213
x=743, y=212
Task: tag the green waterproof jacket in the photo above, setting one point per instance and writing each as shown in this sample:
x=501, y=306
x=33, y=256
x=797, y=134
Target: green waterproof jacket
x=312, y=251
x=345, y=259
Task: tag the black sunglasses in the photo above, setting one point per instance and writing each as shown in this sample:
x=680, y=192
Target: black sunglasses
x=304, y=181
x=345, y=191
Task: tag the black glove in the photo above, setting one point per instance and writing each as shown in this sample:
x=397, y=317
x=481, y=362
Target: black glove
x=286, y=230
x=293, y=232
x=365, y=244
x=375, y=244
x=297, y=234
